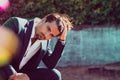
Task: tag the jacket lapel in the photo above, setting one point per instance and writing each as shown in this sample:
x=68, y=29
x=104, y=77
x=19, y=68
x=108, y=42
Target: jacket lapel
x=27, y=36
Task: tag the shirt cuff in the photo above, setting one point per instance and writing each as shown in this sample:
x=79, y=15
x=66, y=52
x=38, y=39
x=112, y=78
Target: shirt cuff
x=62, y=41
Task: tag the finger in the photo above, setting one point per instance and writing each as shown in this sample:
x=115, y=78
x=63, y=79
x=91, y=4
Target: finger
x=12, y=77
x=22, y=77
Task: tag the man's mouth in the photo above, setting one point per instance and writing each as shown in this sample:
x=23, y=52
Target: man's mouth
x=41, y=36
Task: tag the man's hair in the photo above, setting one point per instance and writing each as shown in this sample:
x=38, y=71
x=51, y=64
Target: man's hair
x=62, y=20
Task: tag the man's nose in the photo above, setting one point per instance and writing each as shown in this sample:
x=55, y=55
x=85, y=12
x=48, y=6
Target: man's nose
x=47, y=34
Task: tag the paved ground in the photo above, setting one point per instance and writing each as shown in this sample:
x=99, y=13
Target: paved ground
x=110, y=72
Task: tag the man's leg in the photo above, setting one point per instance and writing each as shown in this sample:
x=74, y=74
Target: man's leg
x=43, y=74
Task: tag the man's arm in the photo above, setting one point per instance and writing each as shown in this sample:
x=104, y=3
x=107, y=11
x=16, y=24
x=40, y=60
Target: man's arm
x=51, y=60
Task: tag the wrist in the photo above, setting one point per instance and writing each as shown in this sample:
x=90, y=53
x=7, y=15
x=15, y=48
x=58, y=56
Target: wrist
x=62, y=41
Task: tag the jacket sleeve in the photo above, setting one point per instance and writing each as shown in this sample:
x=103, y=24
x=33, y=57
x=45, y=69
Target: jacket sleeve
x=5, y=72
x=51, y=60
x=12, y=24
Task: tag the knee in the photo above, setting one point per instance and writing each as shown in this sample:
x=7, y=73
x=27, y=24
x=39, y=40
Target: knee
x=57, y=74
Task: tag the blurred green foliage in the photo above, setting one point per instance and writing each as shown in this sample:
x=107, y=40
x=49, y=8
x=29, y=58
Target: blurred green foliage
x=81, y=11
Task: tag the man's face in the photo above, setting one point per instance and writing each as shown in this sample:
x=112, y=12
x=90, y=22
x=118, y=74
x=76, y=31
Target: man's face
x=46, y=30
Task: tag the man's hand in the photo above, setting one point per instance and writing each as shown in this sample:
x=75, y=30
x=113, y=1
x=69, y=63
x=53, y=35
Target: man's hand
x=19, y=76
x=62, y=37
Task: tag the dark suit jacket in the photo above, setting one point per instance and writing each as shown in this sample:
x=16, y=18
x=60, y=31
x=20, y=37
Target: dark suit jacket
x=23, y=28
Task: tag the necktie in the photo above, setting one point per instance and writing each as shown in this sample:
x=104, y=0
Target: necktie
x=33, y=40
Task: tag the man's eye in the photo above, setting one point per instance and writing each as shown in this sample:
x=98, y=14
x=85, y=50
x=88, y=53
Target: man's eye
x=48, y=28
x=51, y=35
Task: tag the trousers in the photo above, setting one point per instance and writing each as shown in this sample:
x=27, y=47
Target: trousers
x=43, y=74
x=34, y=74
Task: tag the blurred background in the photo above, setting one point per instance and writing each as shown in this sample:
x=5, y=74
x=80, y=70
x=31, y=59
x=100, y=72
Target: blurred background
x=82, y=11
x=92, y=51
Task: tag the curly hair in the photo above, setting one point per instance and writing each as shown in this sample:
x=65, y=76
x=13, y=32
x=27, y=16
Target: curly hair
x=63, y=18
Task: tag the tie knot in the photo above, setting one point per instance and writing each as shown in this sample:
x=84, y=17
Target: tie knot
x=33, y=40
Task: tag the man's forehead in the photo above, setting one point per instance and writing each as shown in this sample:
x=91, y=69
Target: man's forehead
x=52, y=24
x=54, y=28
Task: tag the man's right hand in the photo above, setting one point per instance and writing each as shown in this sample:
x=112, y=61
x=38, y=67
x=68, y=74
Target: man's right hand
x=19, y=76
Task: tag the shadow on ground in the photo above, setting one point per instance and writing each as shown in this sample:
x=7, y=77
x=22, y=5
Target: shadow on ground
x=108, y=72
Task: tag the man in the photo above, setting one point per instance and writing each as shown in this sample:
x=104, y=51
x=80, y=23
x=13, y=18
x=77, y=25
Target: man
x=34, y=38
